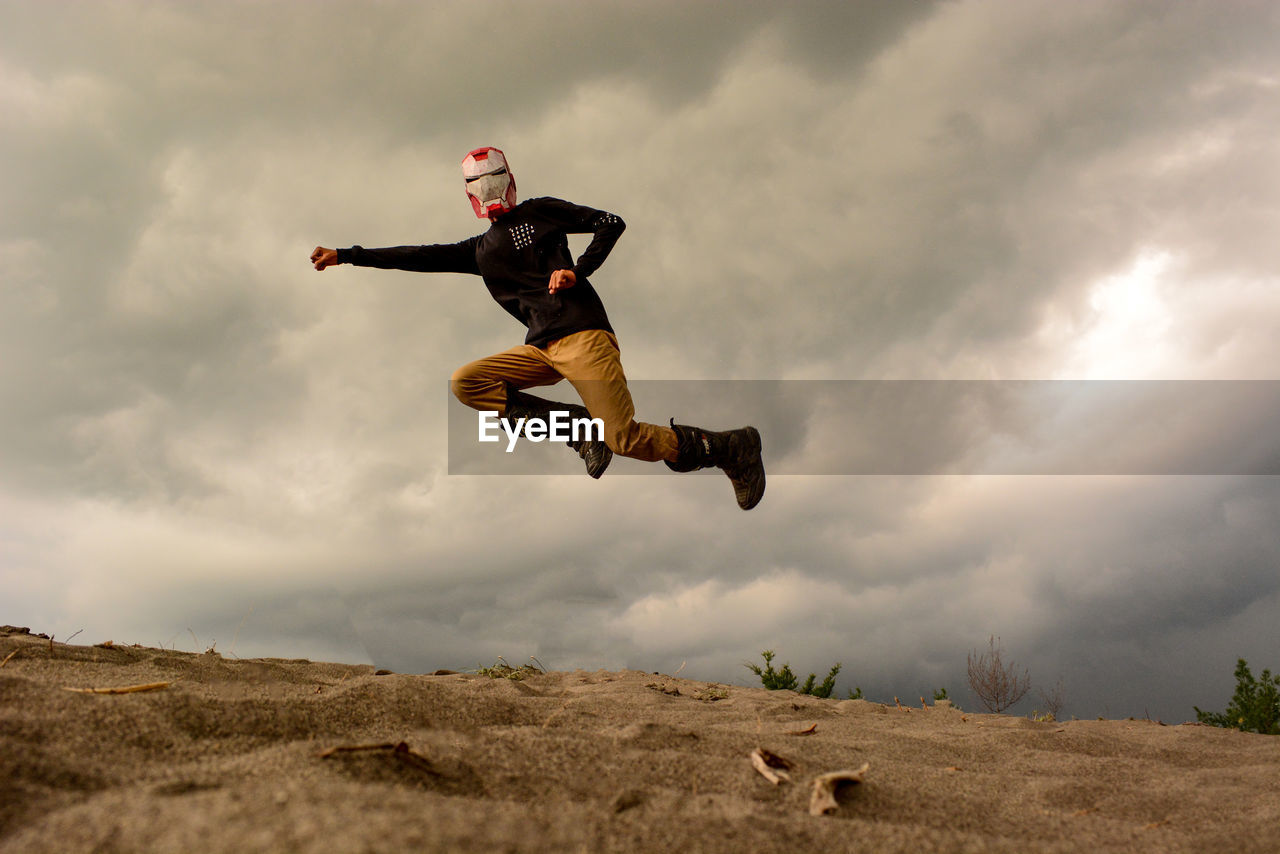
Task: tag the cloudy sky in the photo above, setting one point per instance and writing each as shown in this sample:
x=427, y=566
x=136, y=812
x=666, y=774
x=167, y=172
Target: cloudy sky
x=206, y=441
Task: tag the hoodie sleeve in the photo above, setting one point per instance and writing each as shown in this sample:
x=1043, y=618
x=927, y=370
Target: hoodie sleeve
x=434, y=258
x=604, y=227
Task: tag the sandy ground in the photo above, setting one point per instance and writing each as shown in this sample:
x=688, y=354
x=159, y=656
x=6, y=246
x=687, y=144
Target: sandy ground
x=229, y=756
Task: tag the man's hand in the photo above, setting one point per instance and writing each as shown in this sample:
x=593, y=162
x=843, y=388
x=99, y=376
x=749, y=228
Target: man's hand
x=560, y=280
x=324, y=257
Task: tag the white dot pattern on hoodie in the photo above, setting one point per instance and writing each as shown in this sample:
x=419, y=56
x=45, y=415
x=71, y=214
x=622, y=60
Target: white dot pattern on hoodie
x=522, y=235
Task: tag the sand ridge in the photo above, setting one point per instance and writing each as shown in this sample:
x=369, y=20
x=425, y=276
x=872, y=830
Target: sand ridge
x=229, y=757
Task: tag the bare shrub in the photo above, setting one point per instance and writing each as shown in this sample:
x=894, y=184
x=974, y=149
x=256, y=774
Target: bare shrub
x=996, y=685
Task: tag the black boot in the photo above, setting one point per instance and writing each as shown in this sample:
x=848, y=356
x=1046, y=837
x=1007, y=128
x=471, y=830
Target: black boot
x=594, y=453
x=735, y=451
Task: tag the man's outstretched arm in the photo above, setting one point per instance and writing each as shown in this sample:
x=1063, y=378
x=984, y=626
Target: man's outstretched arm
x=436, y=258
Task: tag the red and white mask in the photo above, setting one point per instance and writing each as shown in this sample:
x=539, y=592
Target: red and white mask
x=489, y=182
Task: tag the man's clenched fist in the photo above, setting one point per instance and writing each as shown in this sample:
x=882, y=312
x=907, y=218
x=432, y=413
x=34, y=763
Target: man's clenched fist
x=322, y=257
x=562, y=279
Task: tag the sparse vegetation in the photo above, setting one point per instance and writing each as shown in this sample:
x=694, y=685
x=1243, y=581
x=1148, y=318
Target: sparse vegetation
x=711, y=693
x=996, y=685
x=500, y=669
x=785, y=679
x=1255, y=706
x=1053, y=699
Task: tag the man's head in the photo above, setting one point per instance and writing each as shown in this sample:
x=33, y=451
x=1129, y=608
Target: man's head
x=489, y=183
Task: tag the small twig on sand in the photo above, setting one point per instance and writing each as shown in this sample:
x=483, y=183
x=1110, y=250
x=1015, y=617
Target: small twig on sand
x=400, y=751
x=810, y=731
x=766, y=762
x=354, y=748
x=7, y=657
x=408, y=757
x=128, y=689
x=65, y=642
x=556, y=713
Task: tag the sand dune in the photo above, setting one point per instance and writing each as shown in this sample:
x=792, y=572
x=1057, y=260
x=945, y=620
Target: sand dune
x=230, y=757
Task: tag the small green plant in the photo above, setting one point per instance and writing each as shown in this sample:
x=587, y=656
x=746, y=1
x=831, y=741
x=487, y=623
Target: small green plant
x=940, y=695
x=774, y=680
x=785, y=679
x=856, y=693
x=828, y=685
x=1255, y=707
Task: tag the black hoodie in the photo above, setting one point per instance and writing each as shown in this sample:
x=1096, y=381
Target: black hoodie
x=516, y=258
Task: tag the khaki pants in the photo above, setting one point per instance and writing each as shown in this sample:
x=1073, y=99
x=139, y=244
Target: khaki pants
x=590, y=361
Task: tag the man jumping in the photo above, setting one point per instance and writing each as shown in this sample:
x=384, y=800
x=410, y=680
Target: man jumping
x=525, y=263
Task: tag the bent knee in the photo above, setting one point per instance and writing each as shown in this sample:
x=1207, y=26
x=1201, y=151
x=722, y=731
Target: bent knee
x=463, y=389
x=474, y=391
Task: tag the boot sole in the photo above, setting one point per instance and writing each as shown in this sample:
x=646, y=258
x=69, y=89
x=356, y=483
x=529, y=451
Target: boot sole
x=754, y=445
x=596, y=472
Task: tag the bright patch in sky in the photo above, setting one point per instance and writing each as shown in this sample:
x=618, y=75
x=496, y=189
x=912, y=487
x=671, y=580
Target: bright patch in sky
x=1126, y=333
